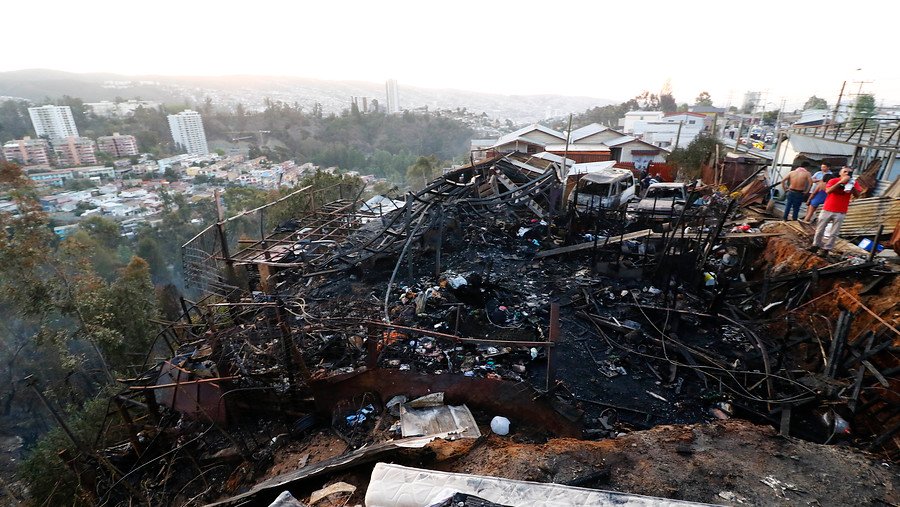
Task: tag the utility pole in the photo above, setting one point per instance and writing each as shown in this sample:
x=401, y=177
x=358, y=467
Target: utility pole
x=230, y=273
x=737, y=139
x=565, y=168
x=861, y=83
x=837, y=104
x=774, y=169
x=678, y=135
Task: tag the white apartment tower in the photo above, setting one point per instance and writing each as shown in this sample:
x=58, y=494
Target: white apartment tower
x=187, y=132
x=393, y=96
x=53, y=122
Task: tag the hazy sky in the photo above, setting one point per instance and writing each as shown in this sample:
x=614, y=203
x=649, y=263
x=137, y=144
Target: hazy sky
x=608, y=49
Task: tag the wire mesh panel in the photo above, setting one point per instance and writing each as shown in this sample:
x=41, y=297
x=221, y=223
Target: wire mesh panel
x=258, y=234
x=203, y=264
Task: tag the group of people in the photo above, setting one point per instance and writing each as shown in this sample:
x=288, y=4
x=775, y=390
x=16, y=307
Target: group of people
x=832, y=192
x=647, y=180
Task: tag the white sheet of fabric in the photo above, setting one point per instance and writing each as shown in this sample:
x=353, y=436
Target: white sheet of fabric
x=286, y=499
x=399, y=486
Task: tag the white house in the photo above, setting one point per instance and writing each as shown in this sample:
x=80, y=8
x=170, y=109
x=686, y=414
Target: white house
x=674, y=128
x=687, y=119
x=593, y=134
x=631, y=117
x=531, y=139
x=623, y=148
x=629, y=149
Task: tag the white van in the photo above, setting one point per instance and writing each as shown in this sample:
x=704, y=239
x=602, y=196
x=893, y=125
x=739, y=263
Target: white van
x=609, y=189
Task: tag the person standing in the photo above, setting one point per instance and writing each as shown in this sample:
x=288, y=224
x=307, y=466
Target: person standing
x=816, y=195
x=837, y=201
x=796, y=184
x=820, y=174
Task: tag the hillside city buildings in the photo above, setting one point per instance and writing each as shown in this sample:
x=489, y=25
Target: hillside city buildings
x=187, y=132
x=74, y=151
x=27, y=151
x=110, y=109
x=53, y=122
x=118, y=145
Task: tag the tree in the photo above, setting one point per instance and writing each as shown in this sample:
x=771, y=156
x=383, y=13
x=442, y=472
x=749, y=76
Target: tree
x=770, y=117
x=703, y=99
x=424, y=169
x=864, y=107
x=206, y=109
x=239, y=199
x=62, y=322
x=14, y=123
x=104, y=231
x=647, y=101
x=667, y=103
x=815, y=103
x=170, y=175
x=133, y=316
x=78, y=184
x=690, y=160
x=149, y=250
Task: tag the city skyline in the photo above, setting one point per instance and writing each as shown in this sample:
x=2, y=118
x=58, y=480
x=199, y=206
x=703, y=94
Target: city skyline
x=725, y=50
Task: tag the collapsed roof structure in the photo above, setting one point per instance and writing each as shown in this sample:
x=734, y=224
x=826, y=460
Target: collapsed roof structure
x=483, y=294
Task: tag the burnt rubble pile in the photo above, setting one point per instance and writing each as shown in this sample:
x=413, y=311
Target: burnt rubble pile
x=568, y=322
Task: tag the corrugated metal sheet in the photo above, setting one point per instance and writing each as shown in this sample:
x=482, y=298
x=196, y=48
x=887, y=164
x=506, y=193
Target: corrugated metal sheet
x=520, y=139
x=817, y=146
x=577, y=147
x=587, y=130
x=620, y=140
x=553, y=158
x=865, y=215
x=512, y=136
x=592, y=167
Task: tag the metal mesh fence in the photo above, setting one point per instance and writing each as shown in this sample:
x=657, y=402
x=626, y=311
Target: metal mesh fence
x=204, y=257
x=203, y=264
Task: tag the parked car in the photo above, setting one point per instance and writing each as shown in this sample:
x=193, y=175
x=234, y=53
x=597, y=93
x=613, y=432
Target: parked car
x=609, y=189
x=660, y=199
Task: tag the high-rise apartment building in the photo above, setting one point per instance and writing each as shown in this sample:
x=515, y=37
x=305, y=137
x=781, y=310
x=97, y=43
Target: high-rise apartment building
x=118, y=145
x=74, y=151
x=187, y=132
x=27, y=151
x=53, y=122
x=393, y=96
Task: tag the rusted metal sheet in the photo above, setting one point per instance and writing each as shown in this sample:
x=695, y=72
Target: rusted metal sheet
x=734, y=171
x=198, y=400
x=516, y=401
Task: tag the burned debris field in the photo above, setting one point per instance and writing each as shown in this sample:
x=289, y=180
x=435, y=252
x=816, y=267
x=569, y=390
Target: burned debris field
x=492, y=325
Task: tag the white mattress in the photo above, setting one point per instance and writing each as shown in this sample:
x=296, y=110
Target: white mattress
x=399, y=486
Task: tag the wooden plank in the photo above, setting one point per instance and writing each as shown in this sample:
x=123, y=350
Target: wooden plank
x=859, y=375
x=529, y=202
x=590, y=244
x=785, y=420
x=869, y=366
